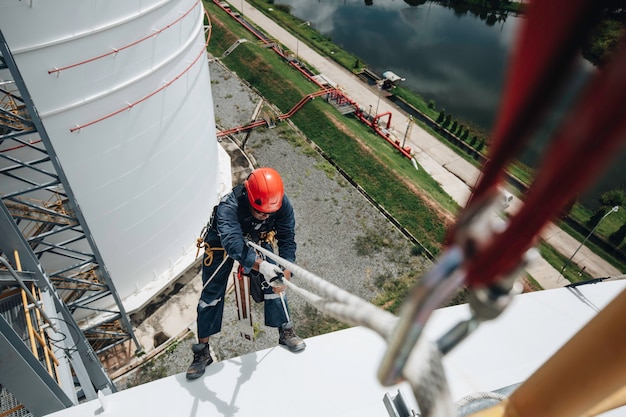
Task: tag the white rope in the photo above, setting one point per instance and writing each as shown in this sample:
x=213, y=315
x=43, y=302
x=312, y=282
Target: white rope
x=366, y=315
x=478, y=396
x=424, y=369
x=349, y=307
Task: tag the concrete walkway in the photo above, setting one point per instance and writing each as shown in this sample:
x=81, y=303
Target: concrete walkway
x=455, y=174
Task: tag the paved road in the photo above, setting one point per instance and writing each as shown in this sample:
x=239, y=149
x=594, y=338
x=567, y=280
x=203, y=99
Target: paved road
x=455, y=174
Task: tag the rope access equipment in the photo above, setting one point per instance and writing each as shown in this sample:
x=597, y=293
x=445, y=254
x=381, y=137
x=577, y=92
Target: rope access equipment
x=486, y=255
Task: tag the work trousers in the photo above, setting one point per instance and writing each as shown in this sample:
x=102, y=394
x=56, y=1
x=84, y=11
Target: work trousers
x=211, y=304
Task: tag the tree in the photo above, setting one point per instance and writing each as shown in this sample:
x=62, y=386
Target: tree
x=453, y=128
x=607, y=200
x=442, y=116
x=613, y=198
x=617, y=237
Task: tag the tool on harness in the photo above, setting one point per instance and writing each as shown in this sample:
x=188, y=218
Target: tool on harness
x=252, y=286
x=242, y=298
x=257, y=286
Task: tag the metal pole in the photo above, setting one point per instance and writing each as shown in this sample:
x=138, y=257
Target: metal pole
x=380, y=90
x=307, y=23
x=613, y=210
x=408, y=125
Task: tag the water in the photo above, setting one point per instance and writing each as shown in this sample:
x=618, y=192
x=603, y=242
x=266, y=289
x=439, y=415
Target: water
x=456, y=59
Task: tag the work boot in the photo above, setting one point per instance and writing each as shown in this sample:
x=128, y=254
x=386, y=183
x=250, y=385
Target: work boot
x=289, y=338
x=201, y=359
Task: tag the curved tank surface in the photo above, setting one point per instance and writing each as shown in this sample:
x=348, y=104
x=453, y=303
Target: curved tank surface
x=124, y=93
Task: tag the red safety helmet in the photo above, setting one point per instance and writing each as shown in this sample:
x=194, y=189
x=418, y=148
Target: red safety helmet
x=265, y=190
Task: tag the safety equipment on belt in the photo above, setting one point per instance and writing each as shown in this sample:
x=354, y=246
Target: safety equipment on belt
x=265, y=190
x=272, y=273
x=242, y=298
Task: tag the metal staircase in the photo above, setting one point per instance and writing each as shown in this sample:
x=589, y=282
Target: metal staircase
x=50, y=262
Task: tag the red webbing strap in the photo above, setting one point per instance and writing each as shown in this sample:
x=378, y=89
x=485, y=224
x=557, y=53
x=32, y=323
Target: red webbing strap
x=548, y=42
x=593, y=132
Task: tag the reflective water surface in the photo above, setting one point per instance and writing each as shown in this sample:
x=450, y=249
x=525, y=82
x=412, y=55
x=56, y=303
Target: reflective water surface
x=456, y=59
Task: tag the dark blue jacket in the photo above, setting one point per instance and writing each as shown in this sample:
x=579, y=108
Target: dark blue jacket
x=233, y=222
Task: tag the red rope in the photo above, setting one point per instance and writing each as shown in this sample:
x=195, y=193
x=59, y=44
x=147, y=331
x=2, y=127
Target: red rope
x=595, y=130
x=548, y=43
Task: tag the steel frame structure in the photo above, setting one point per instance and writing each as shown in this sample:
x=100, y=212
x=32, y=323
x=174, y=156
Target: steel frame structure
x=42, y=224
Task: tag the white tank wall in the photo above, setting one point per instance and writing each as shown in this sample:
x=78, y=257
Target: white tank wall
x=145, y=178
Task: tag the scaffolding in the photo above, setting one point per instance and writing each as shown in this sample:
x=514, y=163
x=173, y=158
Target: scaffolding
x=48, y=251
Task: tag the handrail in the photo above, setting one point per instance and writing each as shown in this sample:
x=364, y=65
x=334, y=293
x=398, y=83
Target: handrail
x=27, y=295
x=30, y=295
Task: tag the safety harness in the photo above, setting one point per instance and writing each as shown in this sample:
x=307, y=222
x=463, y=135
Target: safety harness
x=246, y=286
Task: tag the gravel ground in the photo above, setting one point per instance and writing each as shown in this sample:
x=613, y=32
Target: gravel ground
x=341, y=237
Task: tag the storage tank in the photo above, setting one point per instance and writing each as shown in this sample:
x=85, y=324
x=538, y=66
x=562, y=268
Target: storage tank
x=124, y=93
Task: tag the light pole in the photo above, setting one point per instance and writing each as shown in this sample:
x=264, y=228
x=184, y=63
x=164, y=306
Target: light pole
x=406, y=133
x=307, y=23
x=613, y=210
x=380, y=90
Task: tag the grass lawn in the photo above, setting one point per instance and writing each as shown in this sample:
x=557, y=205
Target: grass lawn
x=409, y=195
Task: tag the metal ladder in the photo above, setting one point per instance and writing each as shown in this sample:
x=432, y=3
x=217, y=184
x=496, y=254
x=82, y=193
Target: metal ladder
x=45, y=241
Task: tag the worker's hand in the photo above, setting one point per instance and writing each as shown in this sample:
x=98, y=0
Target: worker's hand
x=277, y=288
x=270, y=272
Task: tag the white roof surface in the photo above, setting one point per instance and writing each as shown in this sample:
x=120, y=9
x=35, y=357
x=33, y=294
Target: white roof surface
x=336, y=374
x=392, y=76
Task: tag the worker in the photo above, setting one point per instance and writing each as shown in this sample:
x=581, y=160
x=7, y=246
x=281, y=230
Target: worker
x=257, y=210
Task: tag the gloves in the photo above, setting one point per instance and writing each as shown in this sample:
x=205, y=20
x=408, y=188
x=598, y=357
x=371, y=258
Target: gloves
x=272, y=273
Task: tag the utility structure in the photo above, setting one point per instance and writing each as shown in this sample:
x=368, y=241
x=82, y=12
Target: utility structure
x=50, y=262
x=95, y=129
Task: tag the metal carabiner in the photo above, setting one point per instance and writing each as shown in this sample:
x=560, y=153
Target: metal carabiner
x=476, y=227
x=427, y=295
